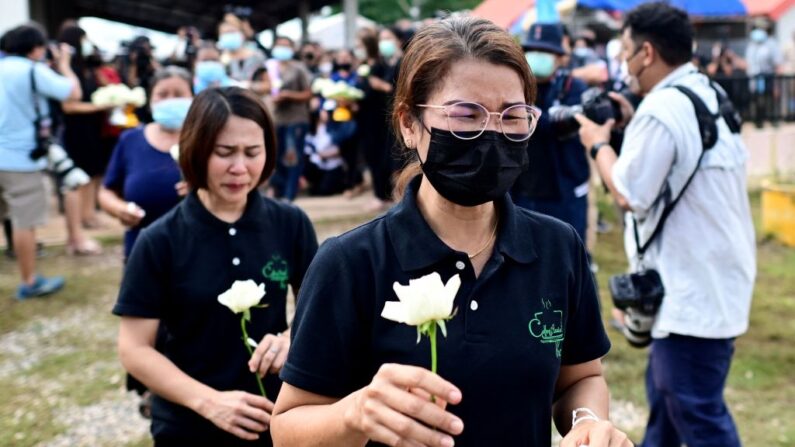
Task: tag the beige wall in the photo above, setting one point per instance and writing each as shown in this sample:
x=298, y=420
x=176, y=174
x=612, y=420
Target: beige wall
x=771, y=152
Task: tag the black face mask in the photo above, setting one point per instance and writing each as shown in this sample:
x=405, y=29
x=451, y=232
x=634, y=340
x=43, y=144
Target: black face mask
x=342, y=67
x=473, y=172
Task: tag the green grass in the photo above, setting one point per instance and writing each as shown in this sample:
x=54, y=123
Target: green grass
x=761, y=384
x=81, y=367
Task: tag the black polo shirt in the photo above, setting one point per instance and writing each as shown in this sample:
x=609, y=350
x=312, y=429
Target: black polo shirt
x=177, y=269
x=533, y=308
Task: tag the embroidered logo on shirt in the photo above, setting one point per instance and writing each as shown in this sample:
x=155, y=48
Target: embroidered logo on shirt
x=547, y=326
x=277, y=271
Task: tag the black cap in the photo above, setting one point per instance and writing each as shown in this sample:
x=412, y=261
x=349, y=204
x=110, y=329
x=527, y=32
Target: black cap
x=547, y=37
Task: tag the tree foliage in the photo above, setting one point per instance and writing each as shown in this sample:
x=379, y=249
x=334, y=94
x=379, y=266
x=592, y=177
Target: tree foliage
x=386, y=12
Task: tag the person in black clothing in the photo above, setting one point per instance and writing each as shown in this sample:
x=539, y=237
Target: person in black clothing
x=205, y=391
x=527, y=338
x=377, y=142
x=557, y=181
x=83, y=141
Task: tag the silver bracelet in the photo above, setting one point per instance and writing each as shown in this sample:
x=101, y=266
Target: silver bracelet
x=589, y=416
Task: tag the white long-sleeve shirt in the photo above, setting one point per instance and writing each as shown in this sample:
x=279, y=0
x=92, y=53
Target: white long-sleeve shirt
x=706, y=252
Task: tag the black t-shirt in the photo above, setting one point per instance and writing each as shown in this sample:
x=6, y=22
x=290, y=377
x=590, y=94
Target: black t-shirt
x=177, y=269
x=533, y=308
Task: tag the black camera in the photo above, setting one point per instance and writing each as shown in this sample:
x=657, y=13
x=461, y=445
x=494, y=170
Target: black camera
x=639, y=295
x=596, y=105
x=242, y=12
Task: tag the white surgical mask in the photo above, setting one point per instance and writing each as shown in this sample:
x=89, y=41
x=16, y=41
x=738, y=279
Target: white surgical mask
x=326, y=68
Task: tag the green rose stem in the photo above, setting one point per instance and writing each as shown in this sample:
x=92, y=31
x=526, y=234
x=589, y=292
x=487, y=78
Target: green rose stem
x=432, y=336
x=247, y=316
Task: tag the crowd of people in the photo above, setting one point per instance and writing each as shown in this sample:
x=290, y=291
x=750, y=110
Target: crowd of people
x=482, y=153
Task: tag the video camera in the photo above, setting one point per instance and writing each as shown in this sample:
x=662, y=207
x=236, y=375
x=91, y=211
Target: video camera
x=596, y=105
x=639, y=295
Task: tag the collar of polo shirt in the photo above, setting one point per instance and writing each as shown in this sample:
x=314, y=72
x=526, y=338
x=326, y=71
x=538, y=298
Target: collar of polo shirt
x=418, y=247
x=250, y=220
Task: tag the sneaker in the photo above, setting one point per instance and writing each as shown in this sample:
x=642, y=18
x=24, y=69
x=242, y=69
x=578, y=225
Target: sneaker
x=41, y=286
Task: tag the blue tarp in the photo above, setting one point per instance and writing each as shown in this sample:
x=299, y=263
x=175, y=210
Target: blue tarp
x=703, y=8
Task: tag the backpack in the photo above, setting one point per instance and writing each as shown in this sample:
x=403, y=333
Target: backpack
x=708, y=121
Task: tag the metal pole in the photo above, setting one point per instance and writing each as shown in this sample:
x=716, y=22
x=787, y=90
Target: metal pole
x=303, y=14
x=351, y=9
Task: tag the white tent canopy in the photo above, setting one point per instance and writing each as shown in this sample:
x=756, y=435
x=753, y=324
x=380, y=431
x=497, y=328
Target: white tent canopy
x=329, y=31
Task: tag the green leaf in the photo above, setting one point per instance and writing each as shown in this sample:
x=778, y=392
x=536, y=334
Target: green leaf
x=443, y=327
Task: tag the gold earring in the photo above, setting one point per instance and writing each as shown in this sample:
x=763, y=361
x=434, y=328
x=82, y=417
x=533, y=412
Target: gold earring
x=408, y=143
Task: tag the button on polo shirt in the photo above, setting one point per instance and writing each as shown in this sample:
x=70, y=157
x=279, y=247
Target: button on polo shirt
x=179, y=266
x=533, y=308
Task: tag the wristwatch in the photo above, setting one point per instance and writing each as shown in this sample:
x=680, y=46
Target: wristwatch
x=595, y=148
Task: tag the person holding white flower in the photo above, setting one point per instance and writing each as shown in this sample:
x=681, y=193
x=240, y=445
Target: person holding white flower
x=222, y=245
x=504, y=295
x=142, y=181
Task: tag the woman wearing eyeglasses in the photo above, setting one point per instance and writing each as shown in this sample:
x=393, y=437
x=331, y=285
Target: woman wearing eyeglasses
x=525, y=343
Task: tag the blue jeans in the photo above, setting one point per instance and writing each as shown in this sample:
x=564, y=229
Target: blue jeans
x=289, y=159
x=684, y=385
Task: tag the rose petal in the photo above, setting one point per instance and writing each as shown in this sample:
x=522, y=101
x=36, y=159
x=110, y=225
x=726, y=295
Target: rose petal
x=395, y=311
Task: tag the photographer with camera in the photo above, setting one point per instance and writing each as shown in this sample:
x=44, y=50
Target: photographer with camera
x=188, y=44
x=25, y=84
x=140, y=63
x=681, y=176
x=556, y=182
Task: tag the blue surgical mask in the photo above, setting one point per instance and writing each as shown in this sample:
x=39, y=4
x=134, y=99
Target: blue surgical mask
x=758, y=35
x=387, y=48
x=582, y=52
x=230, y=41
x=210, y=71
x=170, y=113
x=282, y=53
x=542, y=64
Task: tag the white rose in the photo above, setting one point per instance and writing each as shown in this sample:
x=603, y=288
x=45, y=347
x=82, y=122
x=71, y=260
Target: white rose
x=242, y=296
x=424, y=300
x=174, y=151
x=137, y=97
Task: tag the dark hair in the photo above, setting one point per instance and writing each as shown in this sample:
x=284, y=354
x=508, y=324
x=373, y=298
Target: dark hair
x=207, y=116
x=20, y=41
x=431, y=53
x=258, y=73
x=72, y=35
x=666, y=28
x=369, y=41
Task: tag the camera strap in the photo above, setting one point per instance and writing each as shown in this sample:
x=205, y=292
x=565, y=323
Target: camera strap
x=35, y=96
x=708, y=130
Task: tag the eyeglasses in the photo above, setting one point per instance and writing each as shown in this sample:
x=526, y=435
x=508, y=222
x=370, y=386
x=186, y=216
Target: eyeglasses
x=468, y=120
